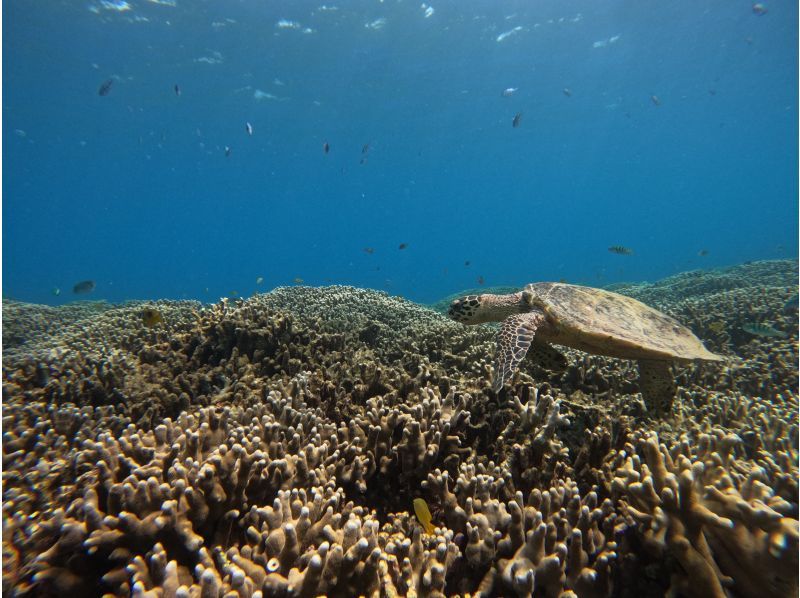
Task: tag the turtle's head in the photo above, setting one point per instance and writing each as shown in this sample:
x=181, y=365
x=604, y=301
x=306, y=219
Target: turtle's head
x=477, y=309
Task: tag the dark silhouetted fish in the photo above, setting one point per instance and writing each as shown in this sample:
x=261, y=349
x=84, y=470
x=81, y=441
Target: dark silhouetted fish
x=403, y=245
x=481, y=280
x=517, y=120
x=703, y=252
x=567, y=92
x=105, y=88
x=326, y=147
x=620, y=250
x=177, y=90
x=369, y=250
x=84, y=287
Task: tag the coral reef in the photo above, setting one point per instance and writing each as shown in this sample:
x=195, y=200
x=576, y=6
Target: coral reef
x=273, y=447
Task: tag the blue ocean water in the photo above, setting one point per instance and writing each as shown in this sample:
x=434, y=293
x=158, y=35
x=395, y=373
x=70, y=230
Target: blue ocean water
x=668, y=128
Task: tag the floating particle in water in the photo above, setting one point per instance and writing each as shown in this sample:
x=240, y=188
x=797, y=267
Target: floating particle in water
x=259, y=280
x=481, y=280
x=656, y=100
x=151, y=317
x=177, y=90
x=84, y=287
x=567, y=92
x=326, y=147
x=620, y=250
x=764, y=330
x=369, y=250
x=298, y=280
x=509, y=91
x=403, y=245
x=249, y=128
x=759, y=9
x=517, y=120
x=423, y=514
x=228, y=151
x=105, y=88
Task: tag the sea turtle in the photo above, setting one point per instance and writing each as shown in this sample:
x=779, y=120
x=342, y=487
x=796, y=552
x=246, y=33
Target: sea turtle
x=589, y=319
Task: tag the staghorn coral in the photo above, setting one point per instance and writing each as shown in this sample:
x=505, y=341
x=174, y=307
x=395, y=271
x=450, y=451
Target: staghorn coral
x=273, y=447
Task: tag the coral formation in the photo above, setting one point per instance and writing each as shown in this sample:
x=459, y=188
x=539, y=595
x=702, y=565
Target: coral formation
x=274, y=447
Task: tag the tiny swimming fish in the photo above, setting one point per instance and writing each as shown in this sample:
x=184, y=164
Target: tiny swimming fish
x=702, y=252
x=259, y=280
x=298, y=280
x=365, y=148
x=620, y=250
x=228, y=151
x=326, y=147
x=517, y=120
x=764, y=330
x=423, y=515
x=480, y=280
x=466, y=263
x=403, y=245
x=84, y=287
x=509, y=91
x=369, y=250
x=567, y=92
x=56, y=291
x=234, y=293
x=249, y=128
x=759, y=9
x=151, y=317
x=655, y=99
x=105, y=88
x=177, y=90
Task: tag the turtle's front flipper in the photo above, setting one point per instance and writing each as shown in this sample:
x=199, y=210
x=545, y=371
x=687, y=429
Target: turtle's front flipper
x=513, y=341
x=657, y=385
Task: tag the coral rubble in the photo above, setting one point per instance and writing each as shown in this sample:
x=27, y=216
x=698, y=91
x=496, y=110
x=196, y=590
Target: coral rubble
x=273, y=447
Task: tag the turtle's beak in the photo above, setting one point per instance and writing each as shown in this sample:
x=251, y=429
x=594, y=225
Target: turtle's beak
x=465, y=309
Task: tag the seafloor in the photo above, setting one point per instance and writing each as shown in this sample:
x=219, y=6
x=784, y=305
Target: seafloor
x=273, y=447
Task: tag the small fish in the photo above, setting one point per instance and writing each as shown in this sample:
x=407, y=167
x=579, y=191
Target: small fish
x=84, y=287
x=517, y=120
x=298, y=280
x=620, y=250
x=259, y=280
x=466, y=263
x=228, y=151
x=365, y=148
x=508, y=92
x=369, y=250
x=177, y=90
x=703, y=252
x=326, y=147
x=655, y=99
x=763, y=330
x=403, y=245
x=151, y=317
x=56, y=291
x=759, y=9
x=105, y=88
x=480, y=280
x=423, y=514
x=567, y=92
x=249, y=128
x=234, y=293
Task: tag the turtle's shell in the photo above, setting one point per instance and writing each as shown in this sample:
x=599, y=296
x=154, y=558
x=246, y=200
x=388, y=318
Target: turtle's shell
x=606, y=323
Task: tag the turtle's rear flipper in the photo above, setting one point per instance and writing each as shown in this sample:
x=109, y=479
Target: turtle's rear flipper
x=513, y=341
x=548, y=357
x=657, y=385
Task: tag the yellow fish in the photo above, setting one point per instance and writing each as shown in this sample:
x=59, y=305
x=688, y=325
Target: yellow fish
x=423, y=514
x=151, y=317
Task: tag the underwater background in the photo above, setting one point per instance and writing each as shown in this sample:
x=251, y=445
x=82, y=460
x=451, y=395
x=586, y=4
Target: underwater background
x=302, y=141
